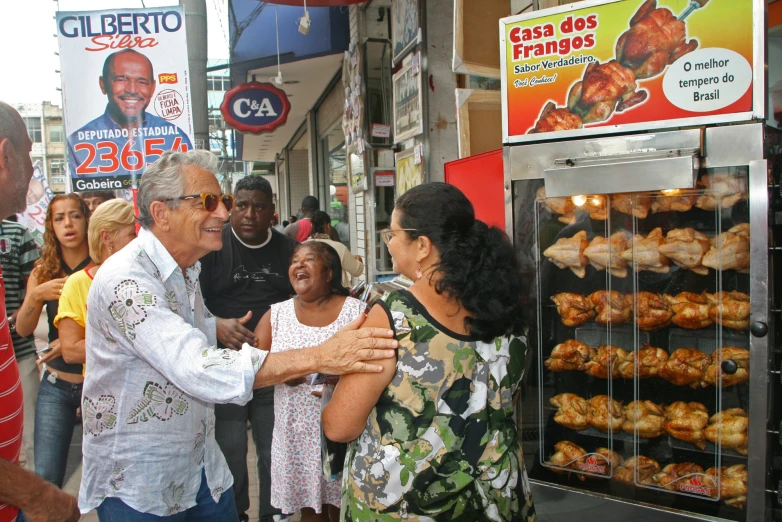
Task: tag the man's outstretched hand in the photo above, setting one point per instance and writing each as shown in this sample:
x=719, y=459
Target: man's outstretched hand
x=352, y=350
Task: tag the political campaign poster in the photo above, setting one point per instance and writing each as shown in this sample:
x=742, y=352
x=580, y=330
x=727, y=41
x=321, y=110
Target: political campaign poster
x=612, y=66
x=38, y=197
x=126, y=92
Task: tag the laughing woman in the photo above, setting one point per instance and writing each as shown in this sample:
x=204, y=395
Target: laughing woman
x=436, y=434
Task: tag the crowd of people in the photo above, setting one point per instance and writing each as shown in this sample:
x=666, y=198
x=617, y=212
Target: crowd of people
x=164, y=344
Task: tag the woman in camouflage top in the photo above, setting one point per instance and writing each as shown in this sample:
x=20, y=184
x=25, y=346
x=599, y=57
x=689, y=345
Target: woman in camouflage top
x=436, y=438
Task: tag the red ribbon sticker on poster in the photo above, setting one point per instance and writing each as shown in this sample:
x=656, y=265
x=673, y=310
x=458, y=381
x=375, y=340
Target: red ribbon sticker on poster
x=621, y=66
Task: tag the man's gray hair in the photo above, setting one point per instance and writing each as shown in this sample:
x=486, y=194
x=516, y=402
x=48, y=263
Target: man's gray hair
x=9, y=124
x=164, y=179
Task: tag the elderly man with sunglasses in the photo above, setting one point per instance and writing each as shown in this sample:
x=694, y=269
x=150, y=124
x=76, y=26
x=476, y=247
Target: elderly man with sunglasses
x=154, y=371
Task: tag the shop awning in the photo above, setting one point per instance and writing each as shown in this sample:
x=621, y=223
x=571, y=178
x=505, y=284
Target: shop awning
x=315, y=3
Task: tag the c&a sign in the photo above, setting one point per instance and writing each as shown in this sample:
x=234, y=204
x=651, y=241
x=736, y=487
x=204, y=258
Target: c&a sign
x=255, y=107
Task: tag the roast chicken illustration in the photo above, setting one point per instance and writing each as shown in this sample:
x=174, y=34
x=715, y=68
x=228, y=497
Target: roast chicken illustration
x=606, y=362
x=686, y=421
x=691, y=310
x=722, y=189
x=656, y=38
x=646, y=417
x=731, y=309
x=644, y=252
x=730, y=250
x=612, y=307
x=605, y=253
x=569, y=356
x=733, y=484
x=625, y=204
x=574, y=309
x=643, y=466
x=686, y=367
x=729, y=428
x=605, y=88
x=686, y=247
x=553, y=118
x=572, y=411
x=568, y=252
x=605, y=413
x=714, y=371
x=643, y=363
x=673, y=475
x=652, y=311
x=562, y=207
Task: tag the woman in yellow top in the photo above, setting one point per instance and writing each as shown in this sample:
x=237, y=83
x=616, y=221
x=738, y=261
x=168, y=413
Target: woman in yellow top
x=112, y=226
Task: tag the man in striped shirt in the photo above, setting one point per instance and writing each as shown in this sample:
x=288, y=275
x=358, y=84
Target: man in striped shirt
x=19, y=489
x=18, y=253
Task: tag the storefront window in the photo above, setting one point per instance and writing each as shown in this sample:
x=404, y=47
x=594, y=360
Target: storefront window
x=337, y=177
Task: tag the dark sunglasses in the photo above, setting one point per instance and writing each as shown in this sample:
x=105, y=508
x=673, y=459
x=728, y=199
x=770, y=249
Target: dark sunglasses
x=209, y=200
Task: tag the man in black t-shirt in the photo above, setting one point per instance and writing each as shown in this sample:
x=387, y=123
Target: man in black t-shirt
x=242, y=280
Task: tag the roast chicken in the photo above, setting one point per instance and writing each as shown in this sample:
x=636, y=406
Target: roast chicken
x=652, y=311
x=625, y=204
x=686, y=247
x=643, y=363
x=645, y=252
x=673, y=475
x=686, y=367
x=556, y=119
x=731, y=309
x=673, y=203
x=596, y=207
x=574, y=309
x=605, y=253
x=605, y=88
x=729, y=427
x=569, y=356
x=606, y=362
x=610, y=459
x=605, y=413
x=691, y=310
x=645, y=467
x=568, y=252
x=646, y=417
x=572, y=411
x=714, y=371
x=655, y=39
x=723, y=189
x=562, y=207
x=730, y=250
x=733, y=484
x=686, y=421
x=567, y=454
x=612, y=307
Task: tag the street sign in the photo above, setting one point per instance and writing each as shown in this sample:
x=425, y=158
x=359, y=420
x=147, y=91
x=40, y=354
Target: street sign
x=255, y=107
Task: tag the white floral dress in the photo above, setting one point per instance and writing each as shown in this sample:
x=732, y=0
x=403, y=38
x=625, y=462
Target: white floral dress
x=297, y=475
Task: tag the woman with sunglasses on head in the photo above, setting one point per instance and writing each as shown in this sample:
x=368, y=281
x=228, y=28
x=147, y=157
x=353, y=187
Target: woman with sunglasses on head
x=64, y=252
x=112, y=226
x=436, y=433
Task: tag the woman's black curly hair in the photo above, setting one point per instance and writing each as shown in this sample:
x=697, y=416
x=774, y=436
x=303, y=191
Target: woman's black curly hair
x=330, y=258
x=477, y=266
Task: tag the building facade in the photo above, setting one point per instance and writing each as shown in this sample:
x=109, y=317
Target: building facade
x=45, y=127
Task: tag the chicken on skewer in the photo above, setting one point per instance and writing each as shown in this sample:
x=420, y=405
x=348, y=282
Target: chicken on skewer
x=733, y=484
x=553, y=118
x=645, y=468
x=597, y=207
x=729, y=428
x=643, y=363
x=691, y=310
x=610, y=460
x=604, y=89
x=673, y=203
x=730, y=250
x=567, y=454
x=646, y=417
x=652, y=311
x=572, y=411
x=714, y=371
x=568, y=252
x=574, y=309
x=686, y=247
x=604, y=413
x=656, y=38
x=606, y=362
x=612, y=307
x=569, y=356
x=638, y=207
x=686, y=421
x=645, y=252
x=731, y=310
x=605, y=253
x=673, y=475
x=686, y=367
x=562, y=207
x=723, y=189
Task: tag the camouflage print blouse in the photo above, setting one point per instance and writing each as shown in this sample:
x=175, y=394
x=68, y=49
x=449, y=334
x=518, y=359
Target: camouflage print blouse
x=440, y=445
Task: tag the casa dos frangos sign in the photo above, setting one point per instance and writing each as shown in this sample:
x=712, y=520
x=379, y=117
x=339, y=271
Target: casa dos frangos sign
x=255, y=107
